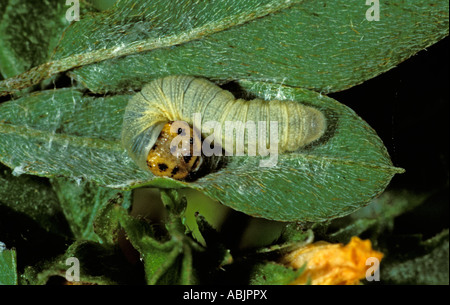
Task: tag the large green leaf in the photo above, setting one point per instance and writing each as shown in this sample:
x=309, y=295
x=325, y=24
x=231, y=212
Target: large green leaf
x=78, y=137
x=326, y=46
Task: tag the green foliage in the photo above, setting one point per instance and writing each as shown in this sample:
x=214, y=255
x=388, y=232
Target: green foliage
x=8, y=272
x=29, y=33
x=81, y=203
x=274, y=274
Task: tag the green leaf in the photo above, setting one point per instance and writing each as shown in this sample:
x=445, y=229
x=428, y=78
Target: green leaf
x=325, y=46
x=167, y=258
x=106, y=222
x=271, y=273
x=379, y=215
x=79, y=138
x=292, y=237
x=29, y=33
x=158, y=256
x=110, y=41
x=81, y=204
x=8, y=272
x=102, y=5
x=60, y=133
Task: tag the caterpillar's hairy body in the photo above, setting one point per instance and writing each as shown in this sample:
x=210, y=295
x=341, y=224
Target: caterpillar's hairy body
x=177, y=98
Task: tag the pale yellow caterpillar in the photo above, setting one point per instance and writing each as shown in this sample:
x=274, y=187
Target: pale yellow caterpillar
x=149, y=115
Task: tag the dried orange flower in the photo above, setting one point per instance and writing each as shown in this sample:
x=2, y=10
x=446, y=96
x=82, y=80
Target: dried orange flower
x=332, y=264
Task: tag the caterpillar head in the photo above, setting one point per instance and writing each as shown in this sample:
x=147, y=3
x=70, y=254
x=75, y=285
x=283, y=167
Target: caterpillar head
x=173, y=155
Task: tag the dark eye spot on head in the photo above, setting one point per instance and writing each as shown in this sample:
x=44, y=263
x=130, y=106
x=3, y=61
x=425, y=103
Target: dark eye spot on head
x=175, y=171
x=180, y=131
x=162, y=167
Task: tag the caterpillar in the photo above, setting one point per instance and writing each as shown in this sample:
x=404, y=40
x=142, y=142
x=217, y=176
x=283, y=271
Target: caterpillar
x=152, y=121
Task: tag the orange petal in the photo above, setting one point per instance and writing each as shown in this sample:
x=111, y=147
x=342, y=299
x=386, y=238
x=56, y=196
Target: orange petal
x=332, y=264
